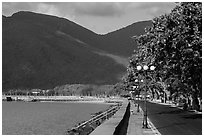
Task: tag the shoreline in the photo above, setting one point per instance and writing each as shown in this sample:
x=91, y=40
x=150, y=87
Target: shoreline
x=65, y=99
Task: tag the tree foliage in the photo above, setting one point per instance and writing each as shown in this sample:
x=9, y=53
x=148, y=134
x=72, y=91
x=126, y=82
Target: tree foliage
x=174, y=45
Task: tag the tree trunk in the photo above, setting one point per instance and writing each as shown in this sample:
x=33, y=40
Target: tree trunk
x=195, y=103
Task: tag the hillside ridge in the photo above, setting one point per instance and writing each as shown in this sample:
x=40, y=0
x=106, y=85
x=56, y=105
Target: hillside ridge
x=43, y=51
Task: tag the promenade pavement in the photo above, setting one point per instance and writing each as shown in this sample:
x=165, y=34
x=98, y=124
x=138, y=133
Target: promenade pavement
x=108, y=127
x=135, y=123
x=136, y=120
x=135, y=126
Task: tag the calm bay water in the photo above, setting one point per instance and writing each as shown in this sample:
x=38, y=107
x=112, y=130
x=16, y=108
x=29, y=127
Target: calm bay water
x=45, y=118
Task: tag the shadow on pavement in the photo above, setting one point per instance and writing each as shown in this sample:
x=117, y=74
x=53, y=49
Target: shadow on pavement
x=172, y=112
x=194, y=116
x=170, y=125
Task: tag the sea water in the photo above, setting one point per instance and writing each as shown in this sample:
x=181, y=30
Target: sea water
x=45, y=118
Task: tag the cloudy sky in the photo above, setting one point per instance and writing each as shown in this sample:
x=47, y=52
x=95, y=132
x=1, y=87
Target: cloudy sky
x=100, y=17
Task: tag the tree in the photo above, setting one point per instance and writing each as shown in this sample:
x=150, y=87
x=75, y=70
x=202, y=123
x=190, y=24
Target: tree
x=174, y=45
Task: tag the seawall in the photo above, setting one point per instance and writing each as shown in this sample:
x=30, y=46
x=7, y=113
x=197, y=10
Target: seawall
x=109, y=126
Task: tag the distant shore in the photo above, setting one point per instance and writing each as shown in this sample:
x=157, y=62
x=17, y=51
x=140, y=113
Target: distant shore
x=78, y=99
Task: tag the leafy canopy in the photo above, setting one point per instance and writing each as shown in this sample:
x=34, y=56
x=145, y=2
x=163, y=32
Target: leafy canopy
x=174, y=45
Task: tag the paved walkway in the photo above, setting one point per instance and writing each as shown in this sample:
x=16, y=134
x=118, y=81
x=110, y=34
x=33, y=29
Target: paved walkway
x=108, y=127
x=135, y=123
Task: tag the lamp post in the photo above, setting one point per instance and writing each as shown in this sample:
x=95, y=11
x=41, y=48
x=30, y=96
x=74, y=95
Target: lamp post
x=137, y=86
x=145, y=69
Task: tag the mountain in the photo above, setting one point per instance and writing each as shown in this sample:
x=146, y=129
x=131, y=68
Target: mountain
x=42, y=51
x=120, y=42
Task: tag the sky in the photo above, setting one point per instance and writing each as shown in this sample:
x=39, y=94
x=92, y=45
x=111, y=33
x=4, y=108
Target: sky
x=99, y=17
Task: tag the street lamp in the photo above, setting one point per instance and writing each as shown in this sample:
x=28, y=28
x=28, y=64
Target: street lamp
x=137, y=83
x=145, y=68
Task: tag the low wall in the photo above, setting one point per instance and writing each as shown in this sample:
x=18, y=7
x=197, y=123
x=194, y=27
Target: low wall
x=122, y=127
x=109, y=126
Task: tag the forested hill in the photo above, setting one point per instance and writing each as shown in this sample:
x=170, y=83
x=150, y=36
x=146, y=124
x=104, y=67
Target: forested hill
x=42, y=51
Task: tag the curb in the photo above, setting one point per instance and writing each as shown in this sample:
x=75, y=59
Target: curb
x=151, y=125
x=153, y=128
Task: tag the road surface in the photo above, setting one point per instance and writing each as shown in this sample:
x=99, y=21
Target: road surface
x=173, y=121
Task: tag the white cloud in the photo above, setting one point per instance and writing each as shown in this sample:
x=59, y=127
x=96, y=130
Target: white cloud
x=98, y=9
x=47, y=9
x=97, y=16
x=103, y=9
x=155, y=8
